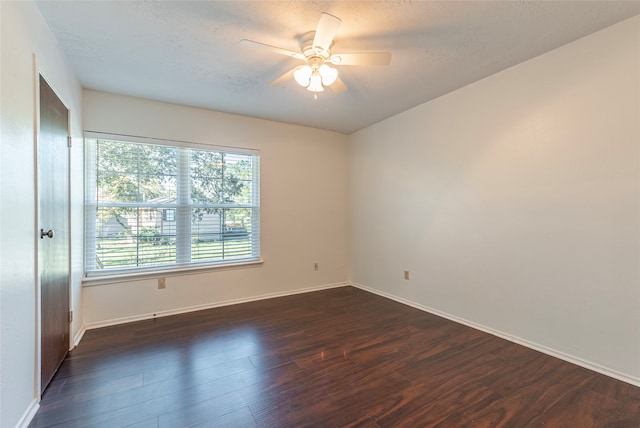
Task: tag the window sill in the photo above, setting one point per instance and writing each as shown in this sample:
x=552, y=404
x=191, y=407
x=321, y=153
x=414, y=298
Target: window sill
x=89, y=281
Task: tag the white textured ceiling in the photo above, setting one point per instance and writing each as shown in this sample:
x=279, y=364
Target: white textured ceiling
x=188, y=52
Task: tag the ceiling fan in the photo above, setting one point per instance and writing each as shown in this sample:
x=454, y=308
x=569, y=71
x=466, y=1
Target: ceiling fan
x=315, y=51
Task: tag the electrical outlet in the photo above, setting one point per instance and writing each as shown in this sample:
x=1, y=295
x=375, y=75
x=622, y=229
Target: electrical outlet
x=406, y=274
x=162, y=283
x=316, y=266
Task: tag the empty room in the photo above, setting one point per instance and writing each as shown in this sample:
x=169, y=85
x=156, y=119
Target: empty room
x=320, y=214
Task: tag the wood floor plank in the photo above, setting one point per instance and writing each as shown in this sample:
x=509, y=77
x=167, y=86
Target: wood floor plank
x=334, y=358
x=147, y=423
x=584, y=409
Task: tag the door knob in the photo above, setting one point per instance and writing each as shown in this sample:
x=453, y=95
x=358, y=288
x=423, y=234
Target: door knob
x=43, y=233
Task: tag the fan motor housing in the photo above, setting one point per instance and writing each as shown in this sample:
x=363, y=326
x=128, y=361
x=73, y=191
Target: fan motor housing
x=308, y=50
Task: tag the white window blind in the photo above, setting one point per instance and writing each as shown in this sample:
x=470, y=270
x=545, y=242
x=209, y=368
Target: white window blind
x=153, y=205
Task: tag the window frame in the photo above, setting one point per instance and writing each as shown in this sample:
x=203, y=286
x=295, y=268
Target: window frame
x=91, y=205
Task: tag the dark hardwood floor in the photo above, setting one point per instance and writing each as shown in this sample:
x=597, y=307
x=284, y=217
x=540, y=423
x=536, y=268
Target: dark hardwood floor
x=334, y=358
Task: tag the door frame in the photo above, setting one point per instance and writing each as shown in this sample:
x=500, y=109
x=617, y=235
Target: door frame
x=37, y=73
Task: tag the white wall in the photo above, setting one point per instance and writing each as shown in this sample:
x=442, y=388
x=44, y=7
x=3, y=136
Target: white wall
x=515, y=203
x=304, y=203
x=24, y=34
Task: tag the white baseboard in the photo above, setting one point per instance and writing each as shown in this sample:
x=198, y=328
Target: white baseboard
x=78, y=337
x=28, y=415
x=124, y=320
x=535, y=346
x=532, y=345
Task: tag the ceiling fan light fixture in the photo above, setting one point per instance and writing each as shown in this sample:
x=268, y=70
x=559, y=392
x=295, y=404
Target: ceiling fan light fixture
x=328, y=74
x=303, y=75
x=315, y=83
x=315, y=51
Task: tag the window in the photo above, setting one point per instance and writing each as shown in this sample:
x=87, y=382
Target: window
x=152, y=206
x=169, y=215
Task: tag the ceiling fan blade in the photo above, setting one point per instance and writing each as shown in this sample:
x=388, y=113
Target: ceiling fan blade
x=338, y=86
x=275, y=49
x=286, y=76
x=364, y=58
x=326, y=31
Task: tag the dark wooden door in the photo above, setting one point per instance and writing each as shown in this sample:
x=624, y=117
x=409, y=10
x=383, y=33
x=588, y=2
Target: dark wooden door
x=53, y=195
